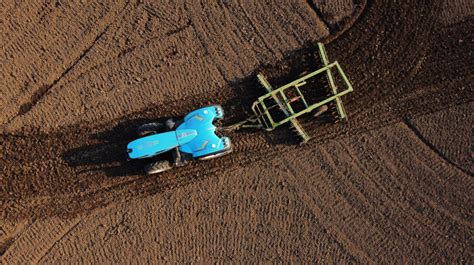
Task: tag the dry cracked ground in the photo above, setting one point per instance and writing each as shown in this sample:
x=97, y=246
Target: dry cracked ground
x=392, y=185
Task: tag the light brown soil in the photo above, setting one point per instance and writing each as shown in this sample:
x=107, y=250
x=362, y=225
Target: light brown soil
x=456, y=11
x=393, y=184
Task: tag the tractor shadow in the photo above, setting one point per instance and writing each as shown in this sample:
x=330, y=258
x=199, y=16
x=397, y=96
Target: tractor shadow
x=108, y=154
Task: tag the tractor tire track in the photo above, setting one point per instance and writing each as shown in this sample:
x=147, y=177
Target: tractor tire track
x=43, y=90
x=26, y=85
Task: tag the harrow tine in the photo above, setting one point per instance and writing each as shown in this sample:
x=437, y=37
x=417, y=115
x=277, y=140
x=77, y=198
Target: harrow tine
x=263, y=81
x=299, y=130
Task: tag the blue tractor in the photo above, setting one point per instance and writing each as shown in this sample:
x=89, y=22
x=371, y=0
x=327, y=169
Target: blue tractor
x=193, y=137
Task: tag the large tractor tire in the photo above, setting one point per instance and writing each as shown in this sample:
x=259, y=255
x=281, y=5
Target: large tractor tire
x=150, y=128
x=157, y=167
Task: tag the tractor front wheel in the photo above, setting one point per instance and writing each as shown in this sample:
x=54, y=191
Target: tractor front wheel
x=157, y=167
x=150, y=128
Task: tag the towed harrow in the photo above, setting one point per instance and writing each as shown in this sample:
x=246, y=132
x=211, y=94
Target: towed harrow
x=287, y=103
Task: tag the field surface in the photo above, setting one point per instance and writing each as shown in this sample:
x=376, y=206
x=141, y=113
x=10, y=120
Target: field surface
x=394, y=184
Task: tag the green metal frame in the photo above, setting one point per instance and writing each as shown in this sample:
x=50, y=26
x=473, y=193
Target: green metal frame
x=262, y=112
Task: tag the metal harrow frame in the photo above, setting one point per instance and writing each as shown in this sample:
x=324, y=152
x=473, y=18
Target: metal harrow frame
x=264, y=107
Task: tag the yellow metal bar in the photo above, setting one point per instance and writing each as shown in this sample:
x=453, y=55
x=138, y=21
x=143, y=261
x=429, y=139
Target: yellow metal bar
x=265, y=109
x=299, y=80
x=260, y=115
x=312, y=107
x=344, y=77
x=301, y=94
x=287, y=104
x=264, y=82
x=324, y=58
x=299, y=129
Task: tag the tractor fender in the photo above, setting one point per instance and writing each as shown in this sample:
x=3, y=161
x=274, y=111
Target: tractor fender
x=152, y=145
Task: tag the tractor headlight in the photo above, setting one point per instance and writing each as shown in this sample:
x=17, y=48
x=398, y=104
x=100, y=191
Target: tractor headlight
x=226, y=142
x=219, y=111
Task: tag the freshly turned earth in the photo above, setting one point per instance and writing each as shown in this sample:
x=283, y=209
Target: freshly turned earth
x=392, y=185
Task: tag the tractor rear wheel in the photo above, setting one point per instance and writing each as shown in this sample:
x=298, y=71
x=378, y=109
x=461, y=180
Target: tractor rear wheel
x=157, y=167
x=150, y=128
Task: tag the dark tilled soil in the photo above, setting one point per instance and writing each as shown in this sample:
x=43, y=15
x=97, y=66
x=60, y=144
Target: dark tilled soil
x=387, y=185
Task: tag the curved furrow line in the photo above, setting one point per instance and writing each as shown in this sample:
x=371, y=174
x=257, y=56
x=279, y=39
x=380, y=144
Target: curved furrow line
x=438, y=152
x=383, y=169
x=27, y=98
x=421, y=193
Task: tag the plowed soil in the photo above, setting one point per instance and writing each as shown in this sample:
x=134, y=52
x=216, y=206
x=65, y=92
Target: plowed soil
x=393, y=184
